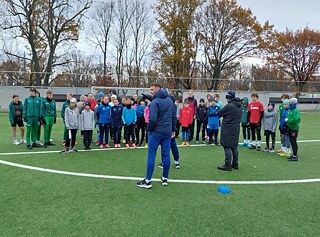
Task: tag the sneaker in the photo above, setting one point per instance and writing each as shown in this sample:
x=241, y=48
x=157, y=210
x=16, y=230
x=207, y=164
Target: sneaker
x=177, y=165
x=187, y=144
x=259, y=148
x=115, y=146
x=16, y=142
x=252, y=147
x=271, y=150
x=36, y=145
x=225, y=168
x=134, y=145
x=101, y=146
x=146, y=145
x=50, y=143
x=248, y=145
x=235, y=166
x=127, y=146
x=183, y=144
x=280, y=153
x=119, y=146
x=74, y=149
x=144, y=184
x=51, y=140
x=39, y=143
x=164, y=181
x=293, y=158
x=45, y=145
x=243, y=144
x=206, y=137
x=65, y=150
x=97, y=143
x=203, y=142
x=22, y=141
x=160, y=166
x=197, y=142
x=86, y=148
x=285, y=154
x=29, y=147
x=107, y=146
x=266, y=149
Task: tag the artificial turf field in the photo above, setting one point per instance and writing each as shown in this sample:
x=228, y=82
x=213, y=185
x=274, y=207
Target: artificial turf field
x=35, y=203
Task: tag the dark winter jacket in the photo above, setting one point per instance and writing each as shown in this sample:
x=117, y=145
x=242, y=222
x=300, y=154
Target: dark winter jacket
x=116, y=116
x=162, y=116
x=244, y=117
x=230, y=127
x=13, y=108
x=202, y=114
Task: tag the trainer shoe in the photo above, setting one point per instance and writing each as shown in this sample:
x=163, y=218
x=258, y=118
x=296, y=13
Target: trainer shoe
x=45, y=145
x=177, y=165
x=252, y=147
x=127, y=146
x=248, y=145
x=203, y=142
x=225, y=168
x=119, y=146
x=146, y=145
x=101, y=146
x=285, y=154
x=50, y=144
x=271, y=150
x=16, y=142
x=36, y=145
x=29, y=147
x=144, y=184
x=107, y=146
x=65, y=150
x=39, y=143
x=243, y=144
x=293, y=158
x=134, y=145
x=187, y=144
x=183, y=144
x=164, y=181
x=160, y=166
x=74, y=149
x=266, y=149
x=22, y=141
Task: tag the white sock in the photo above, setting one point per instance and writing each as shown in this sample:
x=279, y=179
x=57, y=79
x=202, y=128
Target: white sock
x=164, y=178
x=259, y=143
x=253, y=143
x=147, y=180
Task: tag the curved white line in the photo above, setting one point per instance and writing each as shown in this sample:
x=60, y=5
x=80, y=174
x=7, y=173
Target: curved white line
x=170, y=180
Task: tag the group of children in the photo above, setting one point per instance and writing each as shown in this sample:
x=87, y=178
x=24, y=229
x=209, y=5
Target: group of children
x=110, y=116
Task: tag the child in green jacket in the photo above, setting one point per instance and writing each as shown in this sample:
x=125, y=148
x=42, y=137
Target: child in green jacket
x=33, y=116
x=50, y=117
x=15, y=118
x=292, y=120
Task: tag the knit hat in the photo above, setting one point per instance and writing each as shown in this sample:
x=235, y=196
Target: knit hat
x=33, y=89
x=213, y=99
x=272, y=104
x=87, y=104
x=132, y=99
x=114, y=97
x=293, y=100
x=231, y=95
x=100, y=94
x=201, y=100
x=73, y=100
x=286, y=102
x=83, y=98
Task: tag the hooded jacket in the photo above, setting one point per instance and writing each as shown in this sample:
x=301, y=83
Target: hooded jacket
x=103, y=112
x=129, y=116
x=230, y=128
x=293, y=116
x=162, y=115
x=63, y=109
x=202, y=114
x=244, y=117
x=270, y=120
x=116, y=116
x=12, y=111
x=72, y=118
x=186, y=117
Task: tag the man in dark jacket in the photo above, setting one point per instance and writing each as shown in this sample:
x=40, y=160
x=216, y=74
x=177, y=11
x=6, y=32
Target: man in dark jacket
x=161, y=127
x=230, y=129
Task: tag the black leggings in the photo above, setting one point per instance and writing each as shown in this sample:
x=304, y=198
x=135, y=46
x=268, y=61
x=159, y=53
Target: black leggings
x=129, y=133
x=293, y=141
x=87, y=138
x=71, y=136
x=255, y=128
x=246, y=132
x=269, y=133
x=141, y=125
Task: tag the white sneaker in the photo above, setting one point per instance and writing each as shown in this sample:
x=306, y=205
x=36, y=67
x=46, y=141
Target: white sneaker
x=51, y=140
x=22, y=141
x=39, y=143
x=15, y=142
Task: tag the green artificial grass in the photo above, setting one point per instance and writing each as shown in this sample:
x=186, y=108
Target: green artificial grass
x=35, y=203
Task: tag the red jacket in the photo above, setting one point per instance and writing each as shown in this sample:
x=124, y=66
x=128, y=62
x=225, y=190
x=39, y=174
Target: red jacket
x=186, y=116
x=93, y=104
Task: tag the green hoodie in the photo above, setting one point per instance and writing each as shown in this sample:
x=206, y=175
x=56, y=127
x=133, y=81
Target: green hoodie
x=293, y=117
x=32, y=107
x=244, y=117
x=12, y=111
x=64, y=106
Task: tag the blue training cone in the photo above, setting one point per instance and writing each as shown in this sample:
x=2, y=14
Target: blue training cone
x=224, y=189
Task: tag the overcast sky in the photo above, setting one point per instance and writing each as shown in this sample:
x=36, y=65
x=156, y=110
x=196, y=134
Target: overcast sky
x=293, y=14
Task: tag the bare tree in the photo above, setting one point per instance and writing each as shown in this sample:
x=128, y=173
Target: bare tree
x=45, y=25
x=103, y=18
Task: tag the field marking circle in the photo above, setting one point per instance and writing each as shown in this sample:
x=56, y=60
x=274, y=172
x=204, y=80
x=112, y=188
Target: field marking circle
x=170, y=180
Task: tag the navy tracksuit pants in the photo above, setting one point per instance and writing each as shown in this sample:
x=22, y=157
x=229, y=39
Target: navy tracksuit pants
x=154, y=140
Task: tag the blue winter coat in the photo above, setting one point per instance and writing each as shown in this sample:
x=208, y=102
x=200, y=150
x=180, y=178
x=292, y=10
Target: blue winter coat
x=162, y=115
x=103, y=112
x=213, y=118
x=129, y=116
x=140, y=111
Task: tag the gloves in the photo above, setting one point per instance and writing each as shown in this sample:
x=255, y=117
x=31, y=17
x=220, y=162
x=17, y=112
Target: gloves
x=147, y=97
x=55, y=120
x=40, y=121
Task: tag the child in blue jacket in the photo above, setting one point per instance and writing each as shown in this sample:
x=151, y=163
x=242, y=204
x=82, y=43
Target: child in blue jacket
x=141, y=125
x=103, y=113
x=213, y=122
x=129, y=118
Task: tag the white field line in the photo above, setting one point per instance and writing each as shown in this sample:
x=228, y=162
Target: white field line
x=111, y=149
x=158, y=180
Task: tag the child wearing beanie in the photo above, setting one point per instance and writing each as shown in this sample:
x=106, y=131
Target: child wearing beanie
x=270, y=121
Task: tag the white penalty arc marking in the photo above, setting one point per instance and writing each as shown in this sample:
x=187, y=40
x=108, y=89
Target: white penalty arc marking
x=170, y=180
x=113, y=149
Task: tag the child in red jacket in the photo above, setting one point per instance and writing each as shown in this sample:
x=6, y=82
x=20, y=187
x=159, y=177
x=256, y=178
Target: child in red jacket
x=186, y=119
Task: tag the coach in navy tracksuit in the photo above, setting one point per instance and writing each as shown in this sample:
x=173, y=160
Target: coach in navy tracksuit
x=162, y=125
